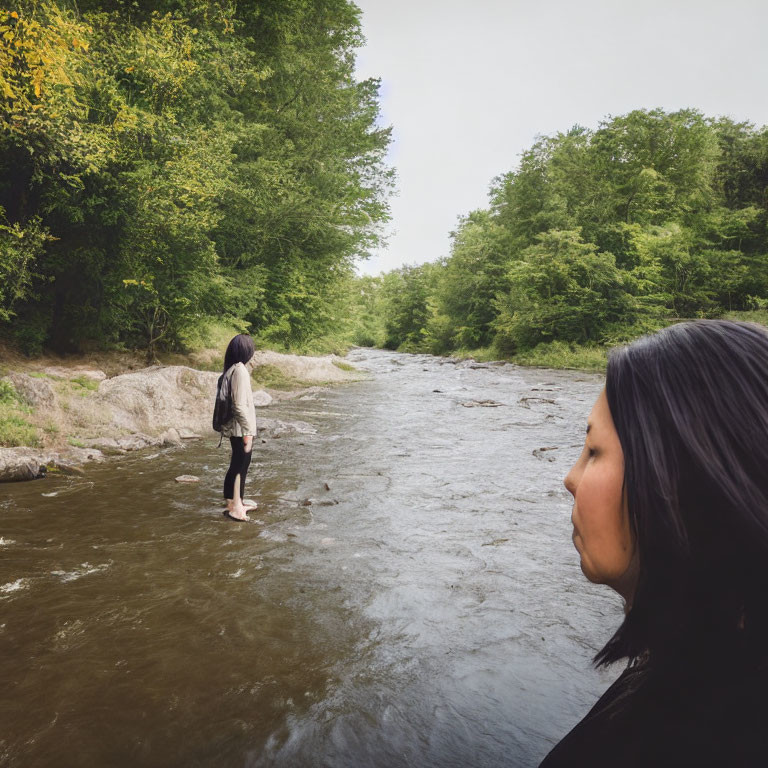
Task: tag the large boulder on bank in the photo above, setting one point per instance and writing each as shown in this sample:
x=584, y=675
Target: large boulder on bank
x=162, y=398
x=161, y=405
x=35, y=392
x=156, y=399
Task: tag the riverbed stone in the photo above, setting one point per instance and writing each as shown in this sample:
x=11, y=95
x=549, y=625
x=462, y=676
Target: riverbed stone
x=15, y=465
x=170, y=437
x=188, y=434
x=187, y=479
x=526, y=401
x=275, y=428
x=261, y=399
x=66, y=467
x=104, y=444
x=23, y=463
x=137, y=442
x=77, y=455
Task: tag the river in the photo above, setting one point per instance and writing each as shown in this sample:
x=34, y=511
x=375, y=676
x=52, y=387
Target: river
x=407, y=593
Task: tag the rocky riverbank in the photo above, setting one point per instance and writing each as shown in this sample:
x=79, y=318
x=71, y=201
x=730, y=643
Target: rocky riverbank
x=78, y=414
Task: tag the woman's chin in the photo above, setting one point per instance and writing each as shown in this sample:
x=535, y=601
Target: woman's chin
x=590, y=575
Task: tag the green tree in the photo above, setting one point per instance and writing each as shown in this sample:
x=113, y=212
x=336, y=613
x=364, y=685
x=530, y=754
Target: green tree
x=466, y=284
x=188, y=159
x=405, y=296
x=564, y=289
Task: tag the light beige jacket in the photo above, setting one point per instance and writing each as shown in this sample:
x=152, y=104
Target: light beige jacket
x=244, y=420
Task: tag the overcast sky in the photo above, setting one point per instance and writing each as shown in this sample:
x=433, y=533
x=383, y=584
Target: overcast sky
x=468, y=85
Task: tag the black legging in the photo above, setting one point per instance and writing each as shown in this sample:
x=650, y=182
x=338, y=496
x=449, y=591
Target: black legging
x=239, y=464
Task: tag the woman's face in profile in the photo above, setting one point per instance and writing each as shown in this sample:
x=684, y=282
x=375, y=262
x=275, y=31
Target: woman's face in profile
x=601, y=530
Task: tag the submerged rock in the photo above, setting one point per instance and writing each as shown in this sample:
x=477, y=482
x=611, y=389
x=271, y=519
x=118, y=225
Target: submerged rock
x=67, y=468
x=524, y=401
x=275, y=428
x=187, y=479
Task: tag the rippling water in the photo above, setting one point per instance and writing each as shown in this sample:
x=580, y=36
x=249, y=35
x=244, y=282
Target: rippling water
x=426, y=608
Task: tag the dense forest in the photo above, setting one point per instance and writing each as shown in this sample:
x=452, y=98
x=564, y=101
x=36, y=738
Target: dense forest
x=596, y=237
x=167, y=163
x=173, y=163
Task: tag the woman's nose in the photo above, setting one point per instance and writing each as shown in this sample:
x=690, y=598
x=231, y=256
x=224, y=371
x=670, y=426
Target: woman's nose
x=570, y=482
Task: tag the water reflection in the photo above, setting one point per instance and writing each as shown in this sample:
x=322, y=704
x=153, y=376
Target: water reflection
x=408, y=595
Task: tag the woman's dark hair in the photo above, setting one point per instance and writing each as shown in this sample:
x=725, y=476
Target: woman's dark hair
x=690, y=406
x=239, y=350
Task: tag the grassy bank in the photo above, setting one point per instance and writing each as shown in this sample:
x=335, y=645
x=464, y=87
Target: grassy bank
x=556, y=354
x=580, y=357
x=23, y=425
x=15, y=427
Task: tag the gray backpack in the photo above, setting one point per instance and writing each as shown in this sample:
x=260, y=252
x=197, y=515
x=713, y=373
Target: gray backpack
x=223, y=410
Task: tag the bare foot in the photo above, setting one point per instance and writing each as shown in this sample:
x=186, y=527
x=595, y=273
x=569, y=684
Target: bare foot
x=237, y=510
x=249, y=504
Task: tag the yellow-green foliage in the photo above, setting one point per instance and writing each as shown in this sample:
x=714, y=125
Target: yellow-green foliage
x=753, y=316
x=211, y=334
x=329, y=344
x=8, y=395
x=175, y=133
x=482, y=355
x=14, y=428
x=558, y=354
x=86, y=383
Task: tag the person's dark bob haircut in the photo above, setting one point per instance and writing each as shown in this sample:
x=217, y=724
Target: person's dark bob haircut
x=239, y=350
x=690, y=406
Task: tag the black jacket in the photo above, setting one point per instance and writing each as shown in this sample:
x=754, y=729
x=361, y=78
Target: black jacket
x=693, y=714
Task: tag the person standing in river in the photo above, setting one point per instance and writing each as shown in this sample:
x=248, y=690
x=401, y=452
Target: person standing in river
x=671, y=510
x=241, y=429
